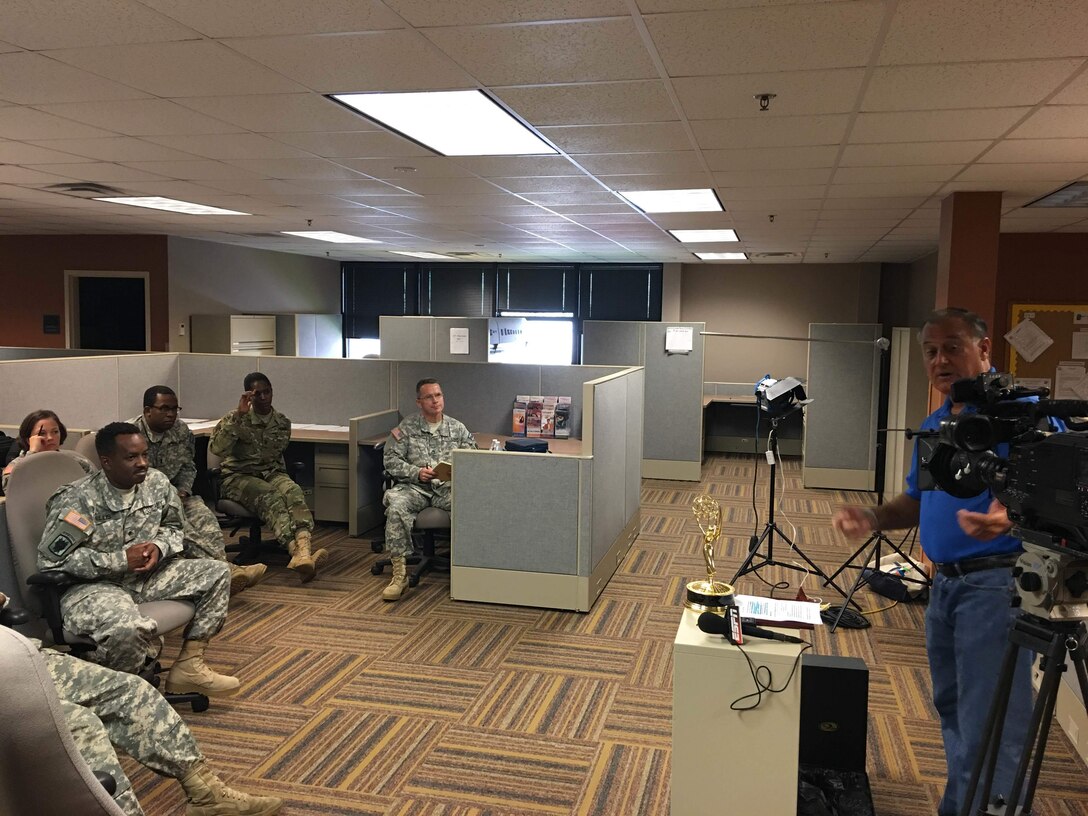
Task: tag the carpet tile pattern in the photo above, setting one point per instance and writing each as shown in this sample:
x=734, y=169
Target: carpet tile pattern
x=429, y=707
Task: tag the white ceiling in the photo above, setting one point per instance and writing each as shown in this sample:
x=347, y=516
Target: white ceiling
x=883, y=108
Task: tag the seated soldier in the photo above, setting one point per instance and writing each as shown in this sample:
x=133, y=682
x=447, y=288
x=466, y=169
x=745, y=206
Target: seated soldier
x=107, y=709
x=251, y=441
x=171, y=449
x=39, y=431
x=413, y=449
x=119, y=531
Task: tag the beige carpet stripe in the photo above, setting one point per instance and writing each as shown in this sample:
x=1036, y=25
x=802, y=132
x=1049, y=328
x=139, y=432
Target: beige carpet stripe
x=610, y=618
x=652, y=667
x=337, y=631
x=442, y=692
x=243, y=732
x=640, y=716
x=466, y=643
x=572, y=654
x=299, y=676
x=255, y=621
x=551, y=704
x=627, y=779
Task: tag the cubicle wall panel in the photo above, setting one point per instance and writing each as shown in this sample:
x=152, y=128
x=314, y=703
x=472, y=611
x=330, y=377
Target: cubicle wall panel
x=82, y=390
x=674, y=397
x=504, y=503
x=636, y=383
x=405, y=338
x=211, y=384
x=478, y=341
x=567, y=381
x=137, y=373
x=607, y=342
x=25, y=353
x=481, y=395
x=347, y=388
x=610, y=465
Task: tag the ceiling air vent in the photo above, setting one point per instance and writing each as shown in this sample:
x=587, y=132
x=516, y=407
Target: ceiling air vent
x=773, y=256
x=85, y=189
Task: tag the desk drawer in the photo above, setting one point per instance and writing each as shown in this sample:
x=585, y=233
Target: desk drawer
x=331, y=503
x=324, y=475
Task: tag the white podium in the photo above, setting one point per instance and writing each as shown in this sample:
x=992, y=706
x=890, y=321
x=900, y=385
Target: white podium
x=724, y=761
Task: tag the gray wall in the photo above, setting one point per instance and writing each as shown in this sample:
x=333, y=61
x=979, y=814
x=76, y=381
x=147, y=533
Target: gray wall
x=210, y=278
x=908, y=292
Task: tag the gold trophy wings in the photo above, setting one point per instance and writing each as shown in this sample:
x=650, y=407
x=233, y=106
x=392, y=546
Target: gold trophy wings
x=708, y=595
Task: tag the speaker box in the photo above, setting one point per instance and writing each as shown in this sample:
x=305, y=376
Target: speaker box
x=834, y=712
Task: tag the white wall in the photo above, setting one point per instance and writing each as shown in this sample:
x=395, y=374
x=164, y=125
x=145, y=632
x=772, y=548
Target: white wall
x=210, y=278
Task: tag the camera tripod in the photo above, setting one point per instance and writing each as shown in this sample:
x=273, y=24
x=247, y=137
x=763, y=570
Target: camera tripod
x=876, y=541
x=771, y=529
x=1055, y=641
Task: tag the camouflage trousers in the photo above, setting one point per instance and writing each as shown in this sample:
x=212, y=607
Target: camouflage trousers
x=203, y=537
x=107, y=611
x=107, y=710
x=402, y=505
x=278, y=501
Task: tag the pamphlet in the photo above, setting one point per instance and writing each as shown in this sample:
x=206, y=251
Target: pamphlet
x=518, y=427
x=562, y=418
x=533, y=419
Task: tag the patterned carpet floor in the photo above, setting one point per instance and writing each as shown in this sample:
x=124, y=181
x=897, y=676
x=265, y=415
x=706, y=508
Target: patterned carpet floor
x=430, y=707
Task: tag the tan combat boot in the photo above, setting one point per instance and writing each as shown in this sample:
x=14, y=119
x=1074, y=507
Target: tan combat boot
x=302, y=561
x=245, y=577
x=399, y=582
x=208, y=795
x=191, y=673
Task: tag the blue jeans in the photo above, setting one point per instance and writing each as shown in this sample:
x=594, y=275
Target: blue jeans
x=967, y=625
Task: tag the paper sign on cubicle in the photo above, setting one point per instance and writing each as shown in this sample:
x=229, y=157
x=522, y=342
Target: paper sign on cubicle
x=1070, y=381
x=679, y=339
x=459, y=341
x=1033, y=382
x=1080, y=345
x=1029, y=340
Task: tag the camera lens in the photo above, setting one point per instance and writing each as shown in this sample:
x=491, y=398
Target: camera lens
x=972, y=432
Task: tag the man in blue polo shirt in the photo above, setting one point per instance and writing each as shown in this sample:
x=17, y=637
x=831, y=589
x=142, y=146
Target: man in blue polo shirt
x=970, y=612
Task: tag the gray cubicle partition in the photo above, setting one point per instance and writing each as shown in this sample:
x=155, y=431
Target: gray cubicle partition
x=428, y=338
x=673, y=430
x=841, y=423
x=28, y=353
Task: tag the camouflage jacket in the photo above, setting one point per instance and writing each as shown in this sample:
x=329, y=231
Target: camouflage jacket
x=174, y=454
x=88, y=529
x=249, y=446
x=412, y=445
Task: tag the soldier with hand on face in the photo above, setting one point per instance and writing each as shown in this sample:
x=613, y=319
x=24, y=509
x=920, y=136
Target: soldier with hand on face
x=119, y=532
x=171, y=449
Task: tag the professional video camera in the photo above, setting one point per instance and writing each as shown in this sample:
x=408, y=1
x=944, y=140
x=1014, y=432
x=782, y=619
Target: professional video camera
x=1041, y=478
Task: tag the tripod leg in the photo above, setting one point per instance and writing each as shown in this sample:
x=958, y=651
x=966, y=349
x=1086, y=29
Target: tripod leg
x=746, y=564
x=861, y=579
x=991, y=733
x=849, y=562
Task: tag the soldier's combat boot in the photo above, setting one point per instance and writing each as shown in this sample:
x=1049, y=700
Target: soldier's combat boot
x=191, y=673
x=208, y=795
x=302, y=561
x=245, y=577
x=399, y=582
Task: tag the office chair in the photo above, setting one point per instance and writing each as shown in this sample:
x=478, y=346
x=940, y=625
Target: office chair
x=85, y=448
x=41, y=770
x=33, y=481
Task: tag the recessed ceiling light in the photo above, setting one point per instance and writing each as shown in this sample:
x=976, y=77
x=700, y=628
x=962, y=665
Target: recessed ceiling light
x=705, y=236
x=333, y=237
x=451, y=123
x=170, y=205
x=722, y=256
x=670, y=201
x=428, y=255
x=1071, y=195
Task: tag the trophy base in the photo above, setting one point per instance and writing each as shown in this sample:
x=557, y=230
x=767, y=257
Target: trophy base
x=709, y=596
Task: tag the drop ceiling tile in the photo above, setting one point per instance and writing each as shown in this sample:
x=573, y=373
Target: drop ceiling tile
x=255, y=187
x=33, y=79
x=123, y=149
x=24, y=153
x=27, y=123
x=579, y=207
x=279, y=113
x=1013, y=151
x=888, y=155
x=140, y=117
x=728, y=195
x=353, y=187
x=178, y=69
x=606, y=103
x=797, y=93
x=99, y=171
x=868, y=190
x=772, y=158
x=636, y=163
x=184, y=190
x=970, y=85
x=425, y=186
x=342, y=63
x=772, y=178
x=778, y=131
x=1030, y=189
x=534, y=53
x=671, y=181
x=1024, y=172
x=1053, y=121
x=898, y=174
x=765, y=206
x=230, y=146
x=644, y=138
x=934, y=126
x=359, y=145
x=194, y=169
x=876, y=202
x=722, y=42
x=254, y=18
x=895, y=214
x=976, y=30
x=549, y=184
x=424, y=167
x=11, y=174
x=510, y=166
x=296, y=168
x=422, y=13
x=74, y=23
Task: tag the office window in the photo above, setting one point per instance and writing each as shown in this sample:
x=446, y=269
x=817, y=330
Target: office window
x=537, y=288
x=457, y=290
x=620, y=292
x=374, y=289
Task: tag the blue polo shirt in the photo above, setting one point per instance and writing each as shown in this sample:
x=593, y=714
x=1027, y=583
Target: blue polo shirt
x=942, y=537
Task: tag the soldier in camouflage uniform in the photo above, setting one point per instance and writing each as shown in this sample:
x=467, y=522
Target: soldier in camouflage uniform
x=105, y=708
x=251, y=441
x=171, y=449
x=413, y=449
x=118, y=532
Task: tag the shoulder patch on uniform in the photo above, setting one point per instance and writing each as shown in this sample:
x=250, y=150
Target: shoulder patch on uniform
x=80, y=522
x=397, y=434
x=61, y=544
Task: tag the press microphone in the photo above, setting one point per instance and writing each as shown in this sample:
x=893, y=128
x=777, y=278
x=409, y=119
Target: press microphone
x=717, y=625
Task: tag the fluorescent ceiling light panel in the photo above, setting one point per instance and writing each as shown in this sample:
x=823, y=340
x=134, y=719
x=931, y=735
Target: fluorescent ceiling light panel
x=451, y=123
x=671, y=201
x=1071, y=195
x=705, y=236
x=427, y=255
x=722, y=256
x=170, y=205
x=332, y=237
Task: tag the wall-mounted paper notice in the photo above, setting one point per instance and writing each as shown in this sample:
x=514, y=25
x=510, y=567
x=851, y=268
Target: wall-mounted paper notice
x=678, y=339
x=1080, y=345
x=459, y=341
x=1029, y=340
x=1069, y=381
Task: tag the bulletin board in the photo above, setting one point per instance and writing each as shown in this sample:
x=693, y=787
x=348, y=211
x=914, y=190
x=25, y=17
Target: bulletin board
x=1048, y=345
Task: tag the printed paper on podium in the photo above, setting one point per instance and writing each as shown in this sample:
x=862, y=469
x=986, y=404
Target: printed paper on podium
x=772, y=611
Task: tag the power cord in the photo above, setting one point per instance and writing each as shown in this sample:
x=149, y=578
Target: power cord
x=850, y=619
x=761, y=686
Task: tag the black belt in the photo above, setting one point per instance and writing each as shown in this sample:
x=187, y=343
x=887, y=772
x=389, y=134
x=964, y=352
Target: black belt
x=954, y=569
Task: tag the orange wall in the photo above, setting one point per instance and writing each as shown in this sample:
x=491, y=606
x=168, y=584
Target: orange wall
x=1037, y=268
x=32, y=280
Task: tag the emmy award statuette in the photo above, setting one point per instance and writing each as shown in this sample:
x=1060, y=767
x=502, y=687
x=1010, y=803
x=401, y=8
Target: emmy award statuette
x=708, y=595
